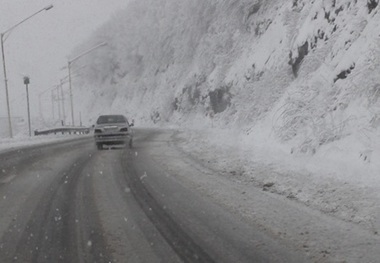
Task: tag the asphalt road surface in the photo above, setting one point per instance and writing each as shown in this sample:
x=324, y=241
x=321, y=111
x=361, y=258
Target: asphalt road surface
x=69, y=202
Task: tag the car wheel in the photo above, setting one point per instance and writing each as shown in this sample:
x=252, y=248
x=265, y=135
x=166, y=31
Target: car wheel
x=99, y=146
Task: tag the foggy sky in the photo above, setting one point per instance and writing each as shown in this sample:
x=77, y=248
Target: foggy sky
x=40, y=47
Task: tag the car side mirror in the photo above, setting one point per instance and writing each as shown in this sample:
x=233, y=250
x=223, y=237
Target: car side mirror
x=93, y=125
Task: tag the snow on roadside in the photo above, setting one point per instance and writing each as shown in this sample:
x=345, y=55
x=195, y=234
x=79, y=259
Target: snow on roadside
x=334, y=181
x=23, y=140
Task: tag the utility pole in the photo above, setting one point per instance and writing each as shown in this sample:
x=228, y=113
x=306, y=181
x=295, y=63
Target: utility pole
x=52, y=103
x=69, y=64
x=6, y=86
x=58, y=99
x=26, y=82
x=63, y=104
x=3, y=38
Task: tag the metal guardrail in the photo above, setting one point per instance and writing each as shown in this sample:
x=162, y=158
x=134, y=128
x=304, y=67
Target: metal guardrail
x=63, y=130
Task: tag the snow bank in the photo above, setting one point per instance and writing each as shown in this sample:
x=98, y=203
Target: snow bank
x=20, y=141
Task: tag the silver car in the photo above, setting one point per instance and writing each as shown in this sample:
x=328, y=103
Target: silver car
x=113, y=130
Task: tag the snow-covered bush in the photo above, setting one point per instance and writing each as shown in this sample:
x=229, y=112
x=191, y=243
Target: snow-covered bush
x=372, y=4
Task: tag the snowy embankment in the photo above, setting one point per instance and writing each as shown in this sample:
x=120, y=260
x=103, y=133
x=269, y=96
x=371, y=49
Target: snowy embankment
x=21, y=141
x=324, y=182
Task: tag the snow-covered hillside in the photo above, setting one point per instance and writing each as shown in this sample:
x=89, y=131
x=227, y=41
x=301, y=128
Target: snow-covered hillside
x=298, y=72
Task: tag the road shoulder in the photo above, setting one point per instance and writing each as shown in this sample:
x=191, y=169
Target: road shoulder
x=323, y=235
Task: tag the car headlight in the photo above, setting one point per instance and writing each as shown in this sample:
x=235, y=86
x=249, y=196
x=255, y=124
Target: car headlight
x=124, y=129
x=97, y=131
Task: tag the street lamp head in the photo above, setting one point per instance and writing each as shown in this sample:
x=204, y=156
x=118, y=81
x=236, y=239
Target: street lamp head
x=48, y=7
x=26, y=80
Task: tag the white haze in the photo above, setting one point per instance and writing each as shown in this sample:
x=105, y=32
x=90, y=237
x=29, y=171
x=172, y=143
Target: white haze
x=40, y=47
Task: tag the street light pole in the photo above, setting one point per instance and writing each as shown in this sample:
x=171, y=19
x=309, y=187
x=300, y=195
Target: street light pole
x=58, y=99
x=71, y=93
x=52, y=104
x=69, y=63
x=26, y=82
x=6, y=87
x=62, y=95
x=2, y=40
x=40, y=100
x=63, y=103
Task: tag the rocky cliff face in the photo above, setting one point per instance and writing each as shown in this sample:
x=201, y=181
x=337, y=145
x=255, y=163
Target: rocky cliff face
x=304, y=71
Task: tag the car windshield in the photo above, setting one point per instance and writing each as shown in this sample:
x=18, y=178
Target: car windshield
x=111, y=119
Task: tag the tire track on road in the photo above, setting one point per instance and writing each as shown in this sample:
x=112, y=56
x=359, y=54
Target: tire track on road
x=186, y=248
x=56, y=230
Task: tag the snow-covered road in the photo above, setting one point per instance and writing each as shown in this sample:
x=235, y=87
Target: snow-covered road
x=68, y=202
x=176, y=194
